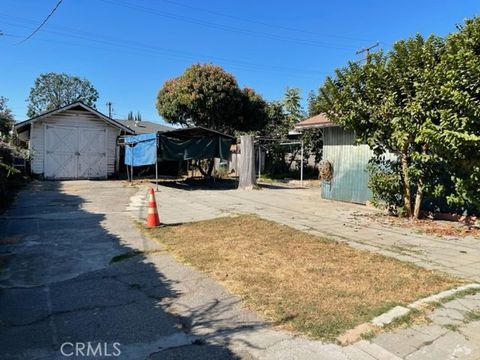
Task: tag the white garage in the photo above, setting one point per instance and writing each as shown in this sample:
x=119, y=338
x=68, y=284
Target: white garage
x=73, y=142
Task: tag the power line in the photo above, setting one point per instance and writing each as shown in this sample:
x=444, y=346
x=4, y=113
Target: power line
x=137, y=47
x=232, y=29
x=43, y=23
x=288, y=28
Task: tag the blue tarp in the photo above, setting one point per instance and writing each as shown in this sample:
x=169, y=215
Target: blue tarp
x=141, y=149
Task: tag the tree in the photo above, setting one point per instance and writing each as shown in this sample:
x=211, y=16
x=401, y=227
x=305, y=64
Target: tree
x=6, y=117
x=293, y=108
x=206, y=95
x=53, y=90
x=456, y=133
x=282, y=117
x=313, y=138
x=388, y=103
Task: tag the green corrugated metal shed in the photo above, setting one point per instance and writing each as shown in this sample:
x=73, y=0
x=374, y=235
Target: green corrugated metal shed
x=350, y=178
x=349, y=161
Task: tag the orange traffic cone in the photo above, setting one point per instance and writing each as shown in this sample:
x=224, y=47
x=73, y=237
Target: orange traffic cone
x=153, y=219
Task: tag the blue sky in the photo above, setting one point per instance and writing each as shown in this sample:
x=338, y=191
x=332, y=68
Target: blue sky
x=128, y=48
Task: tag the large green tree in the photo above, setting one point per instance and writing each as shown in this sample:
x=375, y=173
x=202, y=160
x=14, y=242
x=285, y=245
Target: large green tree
x=6, y=117
x=53, y=90
x=206, y=95
x=388, y=103
x=456, y=132
x=420, y=101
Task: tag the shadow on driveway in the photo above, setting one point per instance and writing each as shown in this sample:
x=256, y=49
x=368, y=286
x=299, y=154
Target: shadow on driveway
x=58, y=285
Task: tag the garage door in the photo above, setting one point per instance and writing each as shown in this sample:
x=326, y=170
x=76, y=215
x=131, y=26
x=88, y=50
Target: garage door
x=75, y=152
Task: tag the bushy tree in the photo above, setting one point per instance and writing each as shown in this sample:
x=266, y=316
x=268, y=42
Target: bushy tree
x=6, y=117
x=53, y=90
x=282, y=117
x=206, y=95
x=456, y=132
x=388, y=104
x=420, y=101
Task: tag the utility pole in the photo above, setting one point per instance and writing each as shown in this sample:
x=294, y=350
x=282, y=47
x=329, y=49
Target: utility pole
x=367, y=50
x=109, y=104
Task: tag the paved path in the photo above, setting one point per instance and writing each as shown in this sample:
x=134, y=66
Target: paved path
x=451, y=334
x=303, y=209
x=59, y=287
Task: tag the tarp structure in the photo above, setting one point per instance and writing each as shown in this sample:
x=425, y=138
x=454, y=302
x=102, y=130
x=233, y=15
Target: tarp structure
x=214, y=146
x=141, y=149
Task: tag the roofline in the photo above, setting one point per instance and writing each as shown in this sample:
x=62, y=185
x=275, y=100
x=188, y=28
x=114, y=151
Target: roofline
x=69, y=106
x=316, y=126
x=198, y=127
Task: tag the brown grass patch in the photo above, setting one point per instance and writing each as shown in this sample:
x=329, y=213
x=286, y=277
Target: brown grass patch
x=299, y=281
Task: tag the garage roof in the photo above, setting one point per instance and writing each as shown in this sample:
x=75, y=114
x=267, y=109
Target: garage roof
x=19, y=127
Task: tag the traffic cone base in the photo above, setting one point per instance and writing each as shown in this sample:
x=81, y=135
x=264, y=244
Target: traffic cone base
x=153, y=219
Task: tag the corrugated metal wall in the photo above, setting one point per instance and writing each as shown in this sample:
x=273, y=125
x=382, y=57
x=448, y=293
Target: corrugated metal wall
x=349, y=162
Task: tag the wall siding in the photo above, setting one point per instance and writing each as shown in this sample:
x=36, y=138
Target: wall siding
x=350, y=178
x=70, y=118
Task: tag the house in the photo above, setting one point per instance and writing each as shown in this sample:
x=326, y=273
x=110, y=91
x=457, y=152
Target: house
x=349, y=161
x=72, y=142
x=144, y=127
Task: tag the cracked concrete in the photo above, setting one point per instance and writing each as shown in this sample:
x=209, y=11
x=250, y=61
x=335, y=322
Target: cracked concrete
x=59, y=285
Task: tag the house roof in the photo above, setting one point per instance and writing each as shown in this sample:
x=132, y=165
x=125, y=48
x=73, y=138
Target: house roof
x=19, y=127
x=317, y=121
x=144, y=127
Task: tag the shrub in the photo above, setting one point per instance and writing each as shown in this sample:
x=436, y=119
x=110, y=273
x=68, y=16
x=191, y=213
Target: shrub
x=385, y=182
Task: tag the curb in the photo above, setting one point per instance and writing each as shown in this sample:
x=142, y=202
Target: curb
x=388, y=317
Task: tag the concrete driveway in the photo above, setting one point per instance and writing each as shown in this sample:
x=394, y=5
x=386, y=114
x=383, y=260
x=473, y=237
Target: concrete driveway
x=61, y=296
x=59, y=287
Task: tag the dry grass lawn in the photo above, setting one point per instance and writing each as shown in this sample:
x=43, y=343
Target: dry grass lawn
x=299, y=281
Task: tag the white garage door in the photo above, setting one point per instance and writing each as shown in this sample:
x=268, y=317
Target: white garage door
x=75, y=152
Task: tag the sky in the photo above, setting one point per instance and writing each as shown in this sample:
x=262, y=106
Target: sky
x=129, y=48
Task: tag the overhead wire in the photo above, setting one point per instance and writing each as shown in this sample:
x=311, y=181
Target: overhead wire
x=42, y=23
x=123, y=44
x=276, y=26
x=232, y=29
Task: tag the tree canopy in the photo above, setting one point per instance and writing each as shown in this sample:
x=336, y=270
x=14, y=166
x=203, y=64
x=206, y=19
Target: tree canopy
x=6, y=117
x=421, y=101
x=53, y=90
x=206, y=95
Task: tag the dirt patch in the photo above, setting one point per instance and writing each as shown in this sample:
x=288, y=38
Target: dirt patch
x=430, y=226
x=299, y=281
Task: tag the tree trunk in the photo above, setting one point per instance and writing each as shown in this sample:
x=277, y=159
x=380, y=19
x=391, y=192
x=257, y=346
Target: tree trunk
x=418, y=200
x=420, y=186
x=407, y=198
x=247, y=176
x=291, y=160
x=207, y=172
